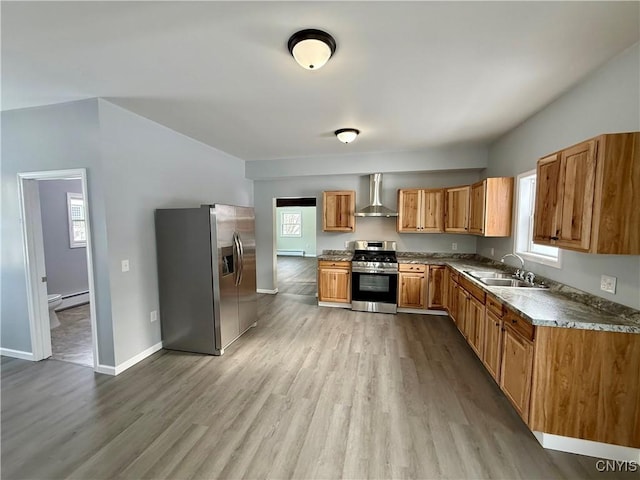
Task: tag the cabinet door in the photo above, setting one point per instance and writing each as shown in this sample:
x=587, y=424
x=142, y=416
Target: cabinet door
x=409, y=210
x=577, y=180
x=545, y=224
x=461, y=317
x=338, y=209
x=478, y=208
x=433, y=211
x=492, y=344
x=334, y=285
x=436, y=286
x=412, y=290
x=517, y=366
x=452, y=298
x=474, y=323
x=457, y=209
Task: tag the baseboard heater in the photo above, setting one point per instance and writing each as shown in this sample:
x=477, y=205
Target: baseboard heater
x=290, y=253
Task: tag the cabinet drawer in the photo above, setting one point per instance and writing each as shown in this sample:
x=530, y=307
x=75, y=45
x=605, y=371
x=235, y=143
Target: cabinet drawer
x=472, y=289
x=326, y=263
x=412, y=267
x=519, y=324
x=494, y=306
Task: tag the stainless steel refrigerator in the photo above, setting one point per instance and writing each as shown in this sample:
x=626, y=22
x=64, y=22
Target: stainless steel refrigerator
x=206, y=276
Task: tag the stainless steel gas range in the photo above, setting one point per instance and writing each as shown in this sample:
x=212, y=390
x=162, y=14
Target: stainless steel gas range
x=374, y=276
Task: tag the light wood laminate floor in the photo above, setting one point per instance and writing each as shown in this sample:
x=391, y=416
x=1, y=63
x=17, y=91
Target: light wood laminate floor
x=71, y=340
x=309, y=393
x=297, y=275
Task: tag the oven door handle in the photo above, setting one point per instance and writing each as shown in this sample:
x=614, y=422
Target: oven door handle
x=362, y=270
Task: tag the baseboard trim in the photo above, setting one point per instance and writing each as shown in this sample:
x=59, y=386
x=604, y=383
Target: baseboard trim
x=105, y=370
x=8, y=352
x=588, y=447
x=73, y=300
x=138, y=358
x=265, y=290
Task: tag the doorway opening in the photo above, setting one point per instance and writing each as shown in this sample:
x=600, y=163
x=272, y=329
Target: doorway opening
x=59, y=267
x=295, y=245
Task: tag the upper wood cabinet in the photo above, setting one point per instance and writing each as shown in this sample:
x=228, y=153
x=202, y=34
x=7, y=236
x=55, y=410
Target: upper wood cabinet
x=456, y=218
x=587, y=196
x=420, y=210
x=491, y=207
x=338, y=211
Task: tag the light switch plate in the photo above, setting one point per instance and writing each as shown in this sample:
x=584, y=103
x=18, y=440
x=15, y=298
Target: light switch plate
x=125, y=265
x=154, y=316
x=608, y=284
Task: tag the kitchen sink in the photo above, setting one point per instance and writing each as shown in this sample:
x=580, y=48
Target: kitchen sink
x=504, y=282
x=478, y=274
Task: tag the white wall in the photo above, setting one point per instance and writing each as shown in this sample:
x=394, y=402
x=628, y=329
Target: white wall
x=148, y=166
x=366, y=228
x=66, y=267
x=307, y=241
x=608, y=101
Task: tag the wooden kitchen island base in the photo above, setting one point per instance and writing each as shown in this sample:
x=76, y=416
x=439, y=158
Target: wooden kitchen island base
x=586, y=385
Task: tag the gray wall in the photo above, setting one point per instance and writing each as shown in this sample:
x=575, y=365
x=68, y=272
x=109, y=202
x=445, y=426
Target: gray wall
x=50, y=138
x=366, y=228
x=66, y=266
x=148, y=166
x=607, y=101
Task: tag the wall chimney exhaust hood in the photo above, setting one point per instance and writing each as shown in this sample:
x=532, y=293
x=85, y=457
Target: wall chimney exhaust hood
x=375, y=208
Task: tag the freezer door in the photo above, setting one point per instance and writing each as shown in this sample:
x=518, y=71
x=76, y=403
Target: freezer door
x=228, y=269
x=184, y=279
x=247, y=305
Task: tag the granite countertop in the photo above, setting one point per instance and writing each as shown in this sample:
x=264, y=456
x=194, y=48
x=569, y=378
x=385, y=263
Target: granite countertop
x=556, y=306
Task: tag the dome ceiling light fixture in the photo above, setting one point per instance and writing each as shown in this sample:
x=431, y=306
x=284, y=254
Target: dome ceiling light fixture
x=311, y=48
x=347, y=135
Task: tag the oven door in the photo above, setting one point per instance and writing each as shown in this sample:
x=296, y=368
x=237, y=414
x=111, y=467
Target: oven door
x=374, y=287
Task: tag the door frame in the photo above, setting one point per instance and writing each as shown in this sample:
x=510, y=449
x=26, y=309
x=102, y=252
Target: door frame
x=33, y=246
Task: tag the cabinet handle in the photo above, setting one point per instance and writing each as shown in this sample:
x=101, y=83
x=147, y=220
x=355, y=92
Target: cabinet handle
x=514, y=321
x=554, y=238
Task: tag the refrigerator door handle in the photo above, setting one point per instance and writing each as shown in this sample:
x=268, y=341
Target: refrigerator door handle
x=241, y=250
x=236, y=253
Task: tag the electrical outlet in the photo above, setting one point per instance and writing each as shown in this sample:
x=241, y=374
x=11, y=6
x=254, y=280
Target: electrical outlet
x=608, y=284
x=154, y=316
x=125, y=265
x=492, y=252
x=454, y=246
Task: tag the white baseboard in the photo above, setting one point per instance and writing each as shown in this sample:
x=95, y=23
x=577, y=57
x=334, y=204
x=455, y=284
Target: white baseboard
x=264, y=290
x=73, y=300
x=138, y=358
x=7, y=352
x=588, y=447
x=105, y=369
x=310, y=255
x=290, y=253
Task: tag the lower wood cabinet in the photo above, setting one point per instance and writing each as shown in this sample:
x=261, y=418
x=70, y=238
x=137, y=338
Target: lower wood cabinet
x=437, y=287
x=334, y=282
x=412, y=286
x=474, y=325
x=452, y=294
x=492, y=354
x=517, y=369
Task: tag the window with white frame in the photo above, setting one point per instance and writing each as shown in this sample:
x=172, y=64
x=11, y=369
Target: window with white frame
x=291, y=224
x=77, y=223
x=524, y=246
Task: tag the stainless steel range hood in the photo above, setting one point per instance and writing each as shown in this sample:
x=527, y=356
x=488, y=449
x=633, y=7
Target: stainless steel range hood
x=375, y=208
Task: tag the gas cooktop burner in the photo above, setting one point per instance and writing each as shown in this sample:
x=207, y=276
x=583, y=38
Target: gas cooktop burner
x=375, y=257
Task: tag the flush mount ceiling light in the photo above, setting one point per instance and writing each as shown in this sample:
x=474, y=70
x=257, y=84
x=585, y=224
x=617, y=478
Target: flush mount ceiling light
x=347, y=135
x=311, y=48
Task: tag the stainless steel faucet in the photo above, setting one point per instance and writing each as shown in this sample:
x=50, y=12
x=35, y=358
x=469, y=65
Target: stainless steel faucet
x=520, y=271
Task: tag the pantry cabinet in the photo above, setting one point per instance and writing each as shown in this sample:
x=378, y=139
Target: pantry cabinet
x=338, y=211
x=334, y=282
x=586, y=196
x=491, y=204
x=420, y=210
x=412, y=280
x=456, y=218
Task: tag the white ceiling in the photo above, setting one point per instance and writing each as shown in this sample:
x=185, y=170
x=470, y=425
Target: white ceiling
x=409, y=75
